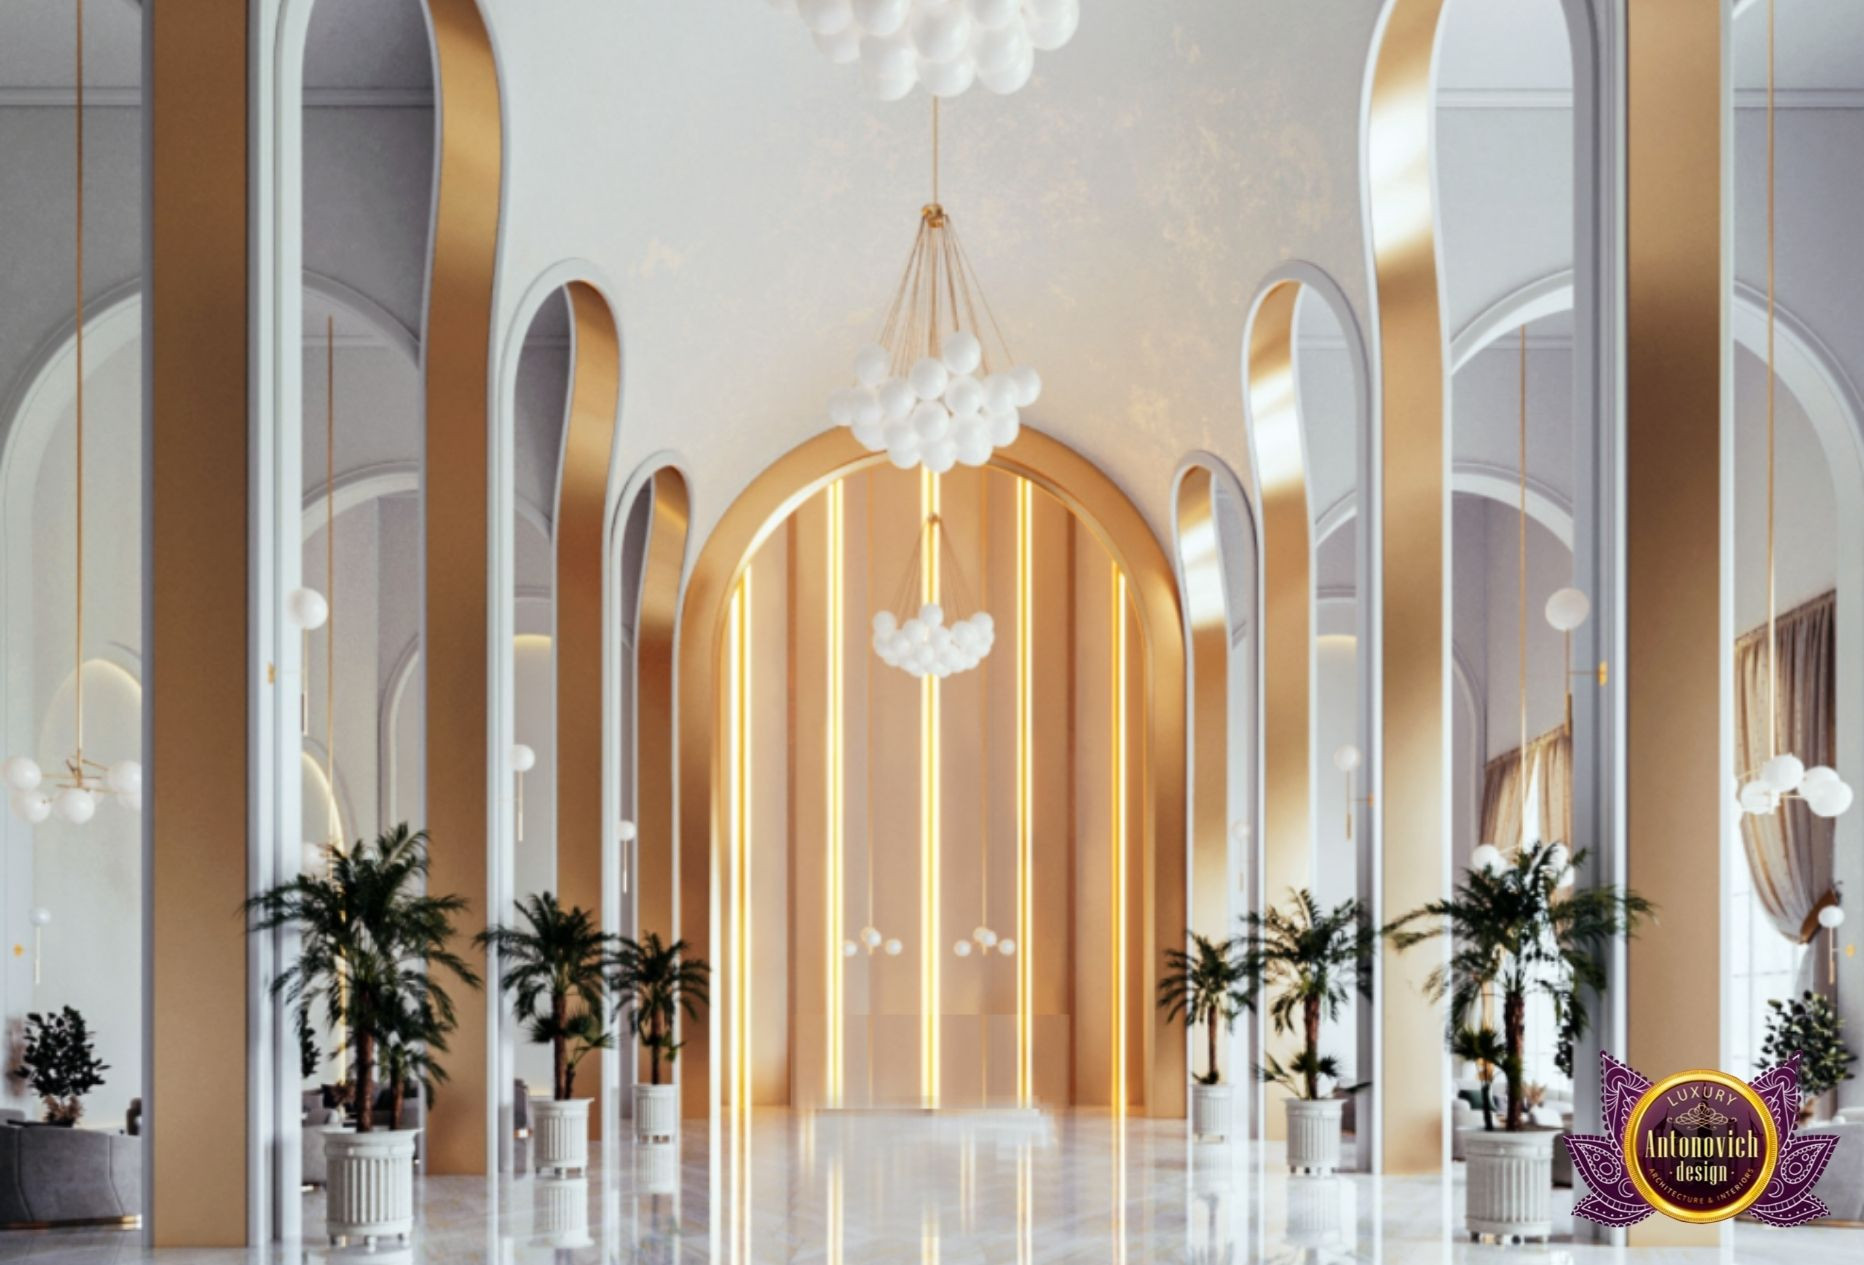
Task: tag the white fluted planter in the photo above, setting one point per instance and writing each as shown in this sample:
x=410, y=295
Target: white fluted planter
x=560, y=1218
x=1314, y=1135
x=1316, y=1213
x=657, y=1168
x=656, y=1112
x=559, y=1135
x=1212, y=1109
x=371, y=1185
x=1510, y=1187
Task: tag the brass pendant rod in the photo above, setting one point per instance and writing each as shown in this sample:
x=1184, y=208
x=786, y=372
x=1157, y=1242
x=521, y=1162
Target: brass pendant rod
x=934, y=151
x=330, y=576
x=1521, y=585
x=1773, y=685
x=77, y=762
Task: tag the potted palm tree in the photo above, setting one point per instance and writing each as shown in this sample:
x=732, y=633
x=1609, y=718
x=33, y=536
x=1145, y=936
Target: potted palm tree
x=556, y=967
x=1311, y=961
x=659, y=982
x=374, y=951
x=1515, y=930
x=1206, y=986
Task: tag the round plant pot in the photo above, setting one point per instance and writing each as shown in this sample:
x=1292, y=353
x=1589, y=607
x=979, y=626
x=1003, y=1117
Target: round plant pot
x=370, y=1185
x=657, y=1168
x=1212, y=1107
x=1314, y=1135
x=560, y=1218
x=1510, y=1195
x=656, y=1112
x=559, y=1135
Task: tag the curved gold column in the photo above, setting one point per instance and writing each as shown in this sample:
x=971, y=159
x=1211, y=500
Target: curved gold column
x=669, y=521
x=703, y=784
x=1414, y=739
x=580, y=596
x=1280, y=455
x=456, y=501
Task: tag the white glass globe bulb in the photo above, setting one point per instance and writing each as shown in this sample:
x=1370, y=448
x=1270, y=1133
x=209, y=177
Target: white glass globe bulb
x=849, y=948
x=928, y=378
x=964, y=395
x=931, y=615
x=1028, y=384
x=1832, y=800
x=31, y=807
x=21, y=773
x=881, y=17
x=1004, y=80
x=1487, y=858
x=1758, y=798
x=76, y=805
x=870, y=936
x=961, y=352
x=125, y=777
x=1239, y=832
x=1816, y=776
x=931, y=422
x=941, y=455
x=1567, y=609
x=1007, y=948
x=1832, y=916
x=1346, y=759
x=627, y=832
x=896, y=399
x=133, y=802
x=307, y=608
x=942, y=31
x=893, y=948
x=41, y=916
x=1052, y=23
x=825, y=17
x=885, y=622
x=993, y=14
x=1004, y=427
x=843, y=47
x=998, y=51
x=948, y=78
x=999, y=393
x=1783, y=773
x=962, y=948
x=972, y=440
x=523, y=758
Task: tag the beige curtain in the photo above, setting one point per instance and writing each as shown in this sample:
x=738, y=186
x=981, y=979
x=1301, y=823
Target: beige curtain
x=1505, y=783
x=1789, y=852
x=1555, y=753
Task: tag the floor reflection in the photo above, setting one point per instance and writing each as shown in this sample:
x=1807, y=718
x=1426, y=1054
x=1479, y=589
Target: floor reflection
x=954, y=1189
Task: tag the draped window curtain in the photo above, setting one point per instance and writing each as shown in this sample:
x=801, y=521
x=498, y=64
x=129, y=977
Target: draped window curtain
x=1506, y=781
x=1789, y=852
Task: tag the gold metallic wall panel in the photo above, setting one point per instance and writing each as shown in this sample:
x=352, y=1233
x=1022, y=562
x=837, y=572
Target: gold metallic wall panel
x=668, y=524
x=198, y=518
x=816, y=841
x=580, y=595
x=1678, y=635
x=455, y=500
x=1414, y=612
x=1200, y=562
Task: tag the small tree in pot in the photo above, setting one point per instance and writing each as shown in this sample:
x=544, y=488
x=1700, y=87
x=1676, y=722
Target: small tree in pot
x=658, y=982
x=373, y=950
x=1206, y=986
x=557, y=967
x=1808, y=1026
x=1515, y=929
x=60, y=1065
x=1311, y=961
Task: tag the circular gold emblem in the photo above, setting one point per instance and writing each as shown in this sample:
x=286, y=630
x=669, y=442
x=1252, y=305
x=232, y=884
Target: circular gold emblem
x=1701, y=1146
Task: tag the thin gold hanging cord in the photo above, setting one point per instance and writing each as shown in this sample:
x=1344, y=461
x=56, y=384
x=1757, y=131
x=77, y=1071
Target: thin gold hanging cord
x=330, y=576
x=77, y=770
x=1773, y=685
x=934, y=151
x=1521, y=585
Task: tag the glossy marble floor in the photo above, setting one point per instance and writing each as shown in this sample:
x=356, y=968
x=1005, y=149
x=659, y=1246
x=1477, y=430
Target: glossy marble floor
x=956, y=1189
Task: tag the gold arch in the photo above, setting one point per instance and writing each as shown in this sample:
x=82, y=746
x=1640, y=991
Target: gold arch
x=1122, y=531
x=1413, y=799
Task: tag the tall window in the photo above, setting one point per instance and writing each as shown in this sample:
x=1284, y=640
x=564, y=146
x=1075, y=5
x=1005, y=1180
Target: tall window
x=1763, y=964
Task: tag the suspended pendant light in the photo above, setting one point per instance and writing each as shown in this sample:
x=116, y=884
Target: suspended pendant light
x=1782, y=775
x=73, y=792
x=916, y=639
x=940, y=386
x=947, y=45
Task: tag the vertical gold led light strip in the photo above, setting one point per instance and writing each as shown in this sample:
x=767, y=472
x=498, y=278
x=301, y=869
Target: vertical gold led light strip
x=929, y=786
x=835, y=569
x=1025, y=789
x=1119, y=848
x=741, y=686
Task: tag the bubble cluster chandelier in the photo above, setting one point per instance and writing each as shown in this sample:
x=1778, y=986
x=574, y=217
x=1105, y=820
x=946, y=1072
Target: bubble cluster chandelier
x=947, y=45
x=1783, y=775
x=919, y=641
x=73, y=792
x=940, y=387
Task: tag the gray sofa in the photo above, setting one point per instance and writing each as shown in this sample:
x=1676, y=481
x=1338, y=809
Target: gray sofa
x=53, y=1176
x=1841, y=1186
